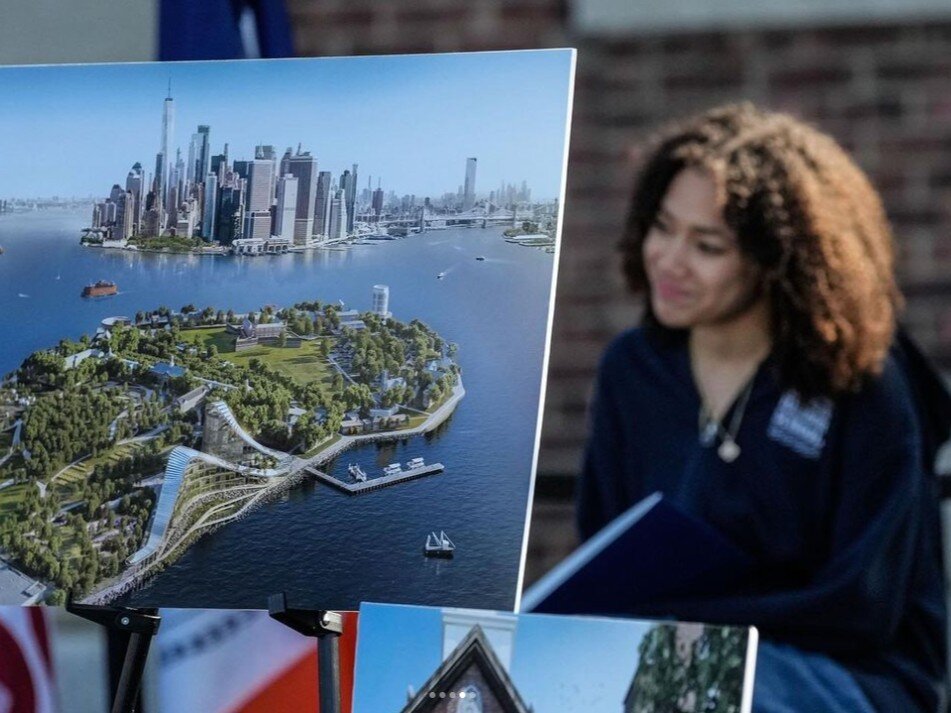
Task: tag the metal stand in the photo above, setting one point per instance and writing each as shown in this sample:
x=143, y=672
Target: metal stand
x=326, y=626
x=141, y=625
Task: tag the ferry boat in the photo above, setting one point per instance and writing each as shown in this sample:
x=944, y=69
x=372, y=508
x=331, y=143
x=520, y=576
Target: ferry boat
x=358, y=474
x=102, y=288
x=438, y=545
x=393, y=469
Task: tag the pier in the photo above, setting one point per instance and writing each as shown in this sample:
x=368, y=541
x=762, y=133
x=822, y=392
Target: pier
x=375, y=483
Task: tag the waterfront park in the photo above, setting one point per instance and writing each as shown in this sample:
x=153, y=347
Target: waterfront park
x=120, y=449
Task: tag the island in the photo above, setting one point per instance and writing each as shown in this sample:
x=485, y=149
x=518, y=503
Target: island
x=531, y=234
x=119, y=450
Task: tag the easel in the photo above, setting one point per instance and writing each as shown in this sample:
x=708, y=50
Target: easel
x=141, y=625
x=326, y=626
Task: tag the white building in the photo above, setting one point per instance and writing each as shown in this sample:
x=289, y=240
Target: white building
x=284, y=215
x=381, y=300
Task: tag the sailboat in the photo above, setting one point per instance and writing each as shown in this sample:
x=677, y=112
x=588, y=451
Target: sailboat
x=438, y=545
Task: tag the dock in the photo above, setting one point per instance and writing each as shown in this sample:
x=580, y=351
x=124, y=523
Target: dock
x=375, y=483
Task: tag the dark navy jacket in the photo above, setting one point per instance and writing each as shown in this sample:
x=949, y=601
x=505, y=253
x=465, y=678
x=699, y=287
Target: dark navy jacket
x=829, y=498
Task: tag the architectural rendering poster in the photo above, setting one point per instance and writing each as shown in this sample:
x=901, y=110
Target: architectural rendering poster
x=416, y=659
x=275, y=326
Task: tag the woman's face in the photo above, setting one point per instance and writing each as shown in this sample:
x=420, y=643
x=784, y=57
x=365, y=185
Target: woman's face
x=696, y=272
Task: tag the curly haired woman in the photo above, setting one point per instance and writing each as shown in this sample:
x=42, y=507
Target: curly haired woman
x=765, y=393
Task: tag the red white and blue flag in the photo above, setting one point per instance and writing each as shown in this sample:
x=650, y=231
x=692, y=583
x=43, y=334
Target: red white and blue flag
x=242, y=662
x=26, y=671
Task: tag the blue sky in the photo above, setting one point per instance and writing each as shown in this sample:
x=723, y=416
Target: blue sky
x=411, y=120
x=559, y=664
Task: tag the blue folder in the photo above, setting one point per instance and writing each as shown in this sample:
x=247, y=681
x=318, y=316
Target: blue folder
x=652, y=550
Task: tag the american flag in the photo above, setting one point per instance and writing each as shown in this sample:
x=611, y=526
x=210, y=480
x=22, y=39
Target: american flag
x=229, y=661
x=26, y=671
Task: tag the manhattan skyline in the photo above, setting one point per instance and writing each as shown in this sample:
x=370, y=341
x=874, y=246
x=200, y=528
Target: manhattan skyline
x=411, y=121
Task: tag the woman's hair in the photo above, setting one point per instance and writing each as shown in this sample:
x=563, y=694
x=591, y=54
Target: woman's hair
x=805, y=213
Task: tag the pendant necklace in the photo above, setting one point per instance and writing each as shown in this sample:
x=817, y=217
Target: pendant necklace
x=711, y=427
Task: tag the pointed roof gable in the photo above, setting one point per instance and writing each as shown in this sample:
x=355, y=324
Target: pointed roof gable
x=474, y=649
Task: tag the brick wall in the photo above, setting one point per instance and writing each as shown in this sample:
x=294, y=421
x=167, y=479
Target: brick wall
x=881, y=90
x=344, y=27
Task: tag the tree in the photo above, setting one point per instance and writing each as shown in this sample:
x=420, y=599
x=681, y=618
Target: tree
x=307, y=431
x=358, y=396
x=682, y=670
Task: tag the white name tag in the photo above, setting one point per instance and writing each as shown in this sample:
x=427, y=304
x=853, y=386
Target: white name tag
x=801, y=427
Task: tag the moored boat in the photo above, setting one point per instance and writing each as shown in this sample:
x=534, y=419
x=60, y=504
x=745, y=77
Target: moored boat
x=438, y=545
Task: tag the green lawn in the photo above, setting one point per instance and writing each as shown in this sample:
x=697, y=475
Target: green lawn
x=11, y=496
x=206, y=337
x=303, y=364
x=321, y=446
x=66, y=486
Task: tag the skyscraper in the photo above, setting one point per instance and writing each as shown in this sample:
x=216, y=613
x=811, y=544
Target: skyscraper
x=191, y=163
x=284, y=223
x=265, y=151
x=258, y=201
x=219, y=162
x=351, y=195
x=322, y=198
x=177, y=180
x=230, y=218
x=260, y=172
x=134, y=184
x=124, y=210
x=118, y=198
x=257, y=224
x=203, y=158
x=468, y=191
x=338, y=216
x=208, y=222
x=284, y=167
x=303, y=167
x=346, y=186
x=243, y=169
x=163, y=159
